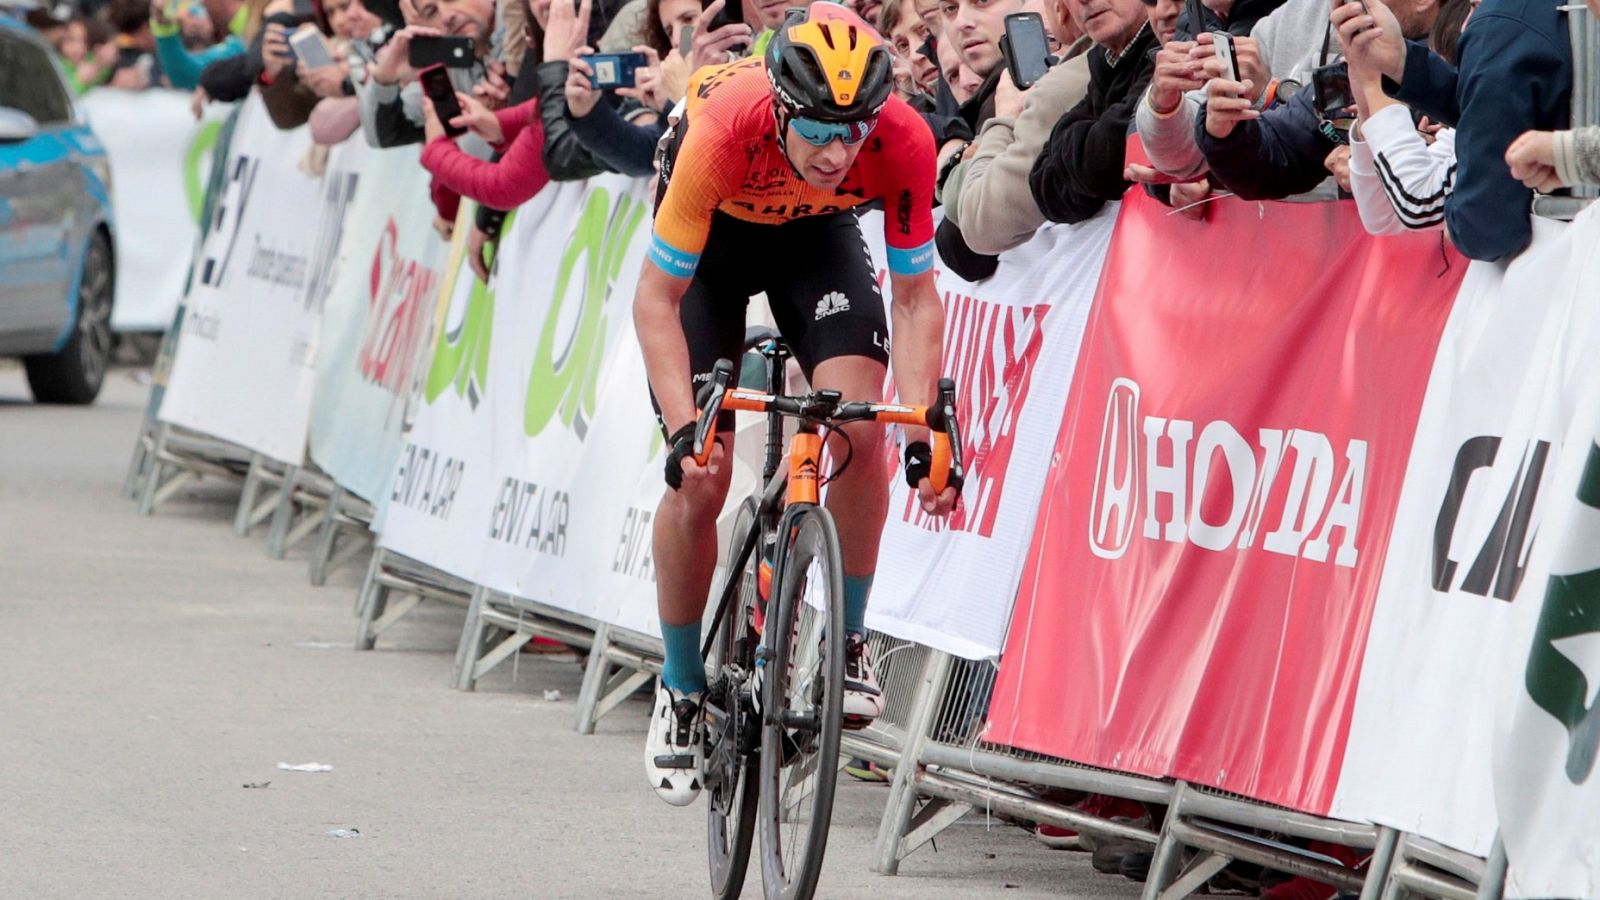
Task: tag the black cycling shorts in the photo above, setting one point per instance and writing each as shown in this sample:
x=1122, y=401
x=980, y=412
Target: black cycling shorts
x=819, y=281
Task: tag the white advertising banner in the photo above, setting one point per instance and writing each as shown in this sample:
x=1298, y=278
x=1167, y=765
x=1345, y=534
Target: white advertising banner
x=376, y=323
x=1548, y=732
x=1011, y=344
x=244, y=369
x=1455, y=577
x=160, y=160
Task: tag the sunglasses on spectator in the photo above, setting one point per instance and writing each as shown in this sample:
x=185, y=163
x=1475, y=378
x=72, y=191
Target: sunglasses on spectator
x=821, y=134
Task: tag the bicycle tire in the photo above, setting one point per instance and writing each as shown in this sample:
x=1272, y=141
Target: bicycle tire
x=731, y=777
x=792, y=850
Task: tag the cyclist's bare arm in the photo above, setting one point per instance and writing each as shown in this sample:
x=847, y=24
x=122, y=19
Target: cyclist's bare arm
x=666, y=351
x=918, y=318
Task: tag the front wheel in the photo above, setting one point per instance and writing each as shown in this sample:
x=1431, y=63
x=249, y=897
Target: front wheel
x=730, y=773
x=74, y=374
x=802, y=707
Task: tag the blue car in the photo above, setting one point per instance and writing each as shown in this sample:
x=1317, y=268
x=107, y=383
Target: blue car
x=57, y=266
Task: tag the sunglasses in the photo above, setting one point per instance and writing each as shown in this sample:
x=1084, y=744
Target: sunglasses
x=821, y=134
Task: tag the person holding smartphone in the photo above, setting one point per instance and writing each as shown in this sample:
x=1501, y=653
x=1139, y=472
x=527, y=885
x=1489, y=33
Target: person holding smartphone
x=183, y=66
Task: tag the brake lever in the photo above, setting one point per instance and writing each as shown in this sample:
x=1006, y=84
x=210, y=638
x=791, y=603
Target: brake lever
x=949, y=470
x=710, y=403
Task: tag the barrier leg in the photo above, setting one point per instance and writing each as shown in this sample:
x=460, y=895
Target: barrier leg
x=152, y=478
x=139, y=462
x=370, y=603
x=470, y=646
x=282, y=515
x=594, y=678
x=902, y=800
x=1493, y=885
x=1169, y=852
x=327, y=539
x=1382, y=862
x=246, y=517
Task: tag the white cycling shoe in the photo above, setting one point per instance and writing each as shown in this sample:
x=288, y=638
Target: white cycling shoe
x=863, y=699
x=674, y=752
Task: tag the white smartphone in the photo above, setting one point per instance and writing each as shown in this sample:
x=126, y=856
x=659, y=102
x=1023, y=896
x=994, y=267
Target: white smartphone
x=311, y=49
x=1223, y=41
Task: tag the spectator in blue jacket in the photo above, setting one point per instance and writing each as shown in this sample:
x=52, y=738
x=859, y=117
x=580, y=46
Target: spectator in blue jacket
x=182, y=65
x=1515, y=76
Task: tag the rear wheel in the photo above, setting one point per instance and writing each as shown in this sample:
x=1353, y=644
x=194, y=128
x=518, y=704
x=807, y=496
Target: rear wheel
x=730, y=772
x=802, y=706
x=74, y=374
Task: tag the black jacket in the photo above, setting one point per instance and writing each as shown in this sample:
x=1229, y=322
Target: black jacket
x=952, y=245
x=1081, y=165
x=565, y=156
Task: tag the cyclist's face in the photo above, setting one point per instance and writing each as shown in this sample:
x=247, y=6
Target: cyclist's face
x=824, y=168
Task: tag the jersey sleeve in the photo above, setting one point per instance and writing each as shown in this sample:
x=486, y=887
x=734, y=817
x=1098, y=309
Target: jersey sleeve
x=707, y=163
x=907, y=175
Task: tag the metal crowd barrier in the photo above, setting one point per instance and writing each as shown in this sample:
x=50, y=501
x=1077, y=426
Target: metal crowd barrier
x=344, y=532
x=390, y=573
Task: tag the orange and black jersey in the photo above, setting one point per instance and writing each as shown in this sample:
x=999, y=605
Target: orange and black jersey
x=724, y=156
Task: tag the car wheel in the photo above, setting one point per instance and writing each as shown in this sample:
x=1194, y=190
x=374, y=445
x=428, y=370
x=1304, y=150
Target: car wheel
x=74, y=375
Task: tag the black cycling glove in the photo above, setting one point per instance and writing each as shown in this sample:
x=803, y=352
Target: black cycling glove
x=680, y=446
x=919, y=465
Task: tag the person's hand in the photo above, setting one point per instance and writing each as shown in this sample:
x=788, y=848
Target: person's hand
x=432, y=129
x=477, y=118
x=443, y=227
x=1147, y=175
x=197, y=103
x=1429, y=129
x=1246, y=56
x=477, y=243
x=393, y=64
x=581, y=96
x=1532, y=158
x=1338, y=165
x=1008, y=98
x=933, y=504
x=1188, y=199
x=675, y=72
x=324, y=81
x=1371, y=40
x=276, y=56
x=701, y=482
x=714, y=47
x=1227, y=104
x=493, y=90
x=158, y=13
x=1176, y=72
x=567, y=30
x=647, y=81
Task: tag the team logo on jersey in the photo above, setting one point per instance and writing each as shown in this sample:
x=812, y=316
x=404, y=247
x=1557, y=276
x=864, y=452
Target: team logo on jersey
x=832, y=302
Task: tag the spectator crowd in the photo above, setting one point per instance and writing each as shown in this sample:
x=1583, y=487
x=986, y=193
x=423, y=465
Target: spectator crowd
x=1441, y=115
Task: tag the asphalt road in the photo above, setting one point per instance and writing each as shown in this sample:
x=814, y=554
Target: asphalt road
x=152, y=668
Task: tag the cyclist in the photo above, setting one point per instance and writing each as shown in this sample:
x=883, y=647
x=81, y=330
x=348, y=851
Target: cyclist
x=760, y=180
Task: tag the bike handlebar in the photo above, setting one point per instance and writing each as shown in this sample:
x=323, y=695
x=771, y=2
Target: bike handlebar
x=827, y=408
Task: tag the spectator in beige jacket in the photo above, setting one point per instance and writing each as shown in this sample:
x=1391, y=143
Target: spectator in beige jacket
x=987, y=194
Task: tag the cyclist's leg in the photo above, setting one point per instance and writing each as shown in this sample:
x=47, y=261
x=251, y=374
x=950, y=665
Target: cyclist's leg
x=830, y=310
x=712, y=313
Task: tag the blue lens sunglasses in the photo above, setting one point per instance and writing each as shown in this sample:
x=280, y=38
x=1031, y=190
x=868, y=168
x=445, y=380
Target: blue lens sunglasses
x=821, y=134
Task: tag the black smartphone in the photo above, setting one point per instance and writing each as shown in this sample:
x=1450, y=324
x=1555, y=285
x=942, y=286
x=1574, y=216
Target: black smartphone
x=436, y=85
x=1334, y=96
x=1026, y=49
x=732, y=13
x=686, y=40
x=445, y=50
x=614, y=70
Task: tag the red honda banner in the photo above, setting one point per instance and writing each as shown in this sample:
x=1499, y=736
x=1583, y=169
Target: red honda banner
x=1207, y=554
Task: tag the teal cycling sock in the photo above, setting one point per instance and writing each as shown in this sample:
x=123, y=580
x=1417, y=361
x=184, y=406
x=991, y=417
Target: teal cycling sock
x=856, y=589
x=683, y=670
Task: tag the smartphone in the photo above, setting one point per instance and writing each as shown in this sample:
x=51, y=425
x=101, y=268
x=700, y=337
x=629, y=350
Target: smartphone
x=686, y=41
x=311, y=49
x=732, y=12
x=1223, y=41
x=436, y=85
x=614, y=70
x=445, y=50
x=1333, y=94
x=1026, y=49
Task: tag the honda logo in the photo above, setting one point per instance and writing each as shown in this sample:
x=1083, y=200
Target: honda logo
x=1221, y=492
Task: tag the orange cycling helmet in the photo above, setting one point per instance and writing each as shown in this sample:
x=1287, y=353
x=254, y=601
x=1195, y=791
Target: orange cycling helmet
x=826, y=63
